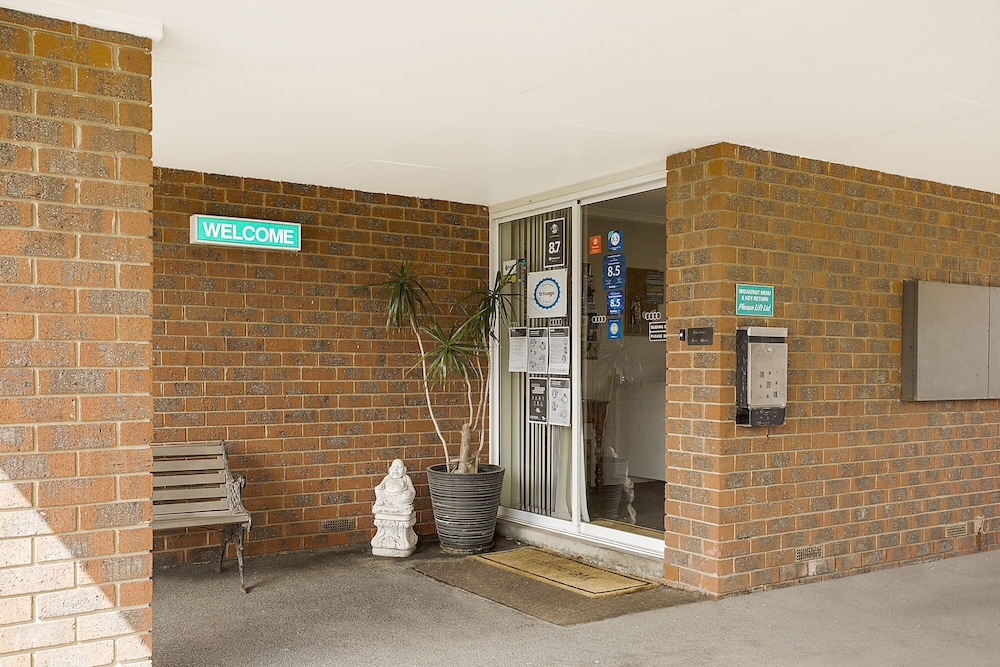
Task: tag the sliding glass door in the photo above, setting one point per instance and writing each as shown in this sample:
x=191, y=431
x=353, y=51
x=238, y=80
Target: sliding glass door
x=580, y=416
x=536, y=450
x=623, y=388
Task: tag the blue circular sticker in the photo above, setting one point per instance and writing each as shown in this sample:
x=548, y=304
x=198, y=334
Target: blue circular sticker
x=547, y=293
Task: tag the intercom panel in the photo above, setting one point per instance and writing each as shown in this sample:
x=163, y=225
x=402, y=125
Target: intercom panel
x=761, y=376
x=767, y=370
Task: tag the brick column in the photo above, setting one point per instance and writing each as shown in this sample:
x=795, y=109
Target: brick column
x=75, y=331
x=701, y=268
x=856, y=479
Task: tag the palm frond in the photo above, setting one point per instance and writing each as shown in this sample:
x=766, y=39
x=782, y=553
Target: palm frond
x=450, y=354
x=487, y=306
x=402, y=296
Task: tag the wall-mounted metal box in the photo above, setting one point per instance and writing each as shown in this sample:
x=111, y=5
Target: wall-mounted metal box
x=951, y=341
x=761, y=376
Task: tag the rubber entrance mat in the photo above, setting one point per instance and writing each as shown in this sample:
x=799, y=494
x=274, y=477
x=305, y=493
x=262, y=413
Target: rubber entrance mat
x=542, y=599
x=566, y=573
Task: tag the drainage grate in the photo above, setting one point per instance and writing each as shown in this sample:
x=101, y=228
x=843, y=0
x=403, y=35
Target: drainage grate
x=956, y=530
x=808, y=553
x=332, y=525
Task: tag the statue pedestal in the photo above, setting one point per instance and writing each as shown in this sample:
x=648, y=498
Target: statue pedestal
x=395, y=537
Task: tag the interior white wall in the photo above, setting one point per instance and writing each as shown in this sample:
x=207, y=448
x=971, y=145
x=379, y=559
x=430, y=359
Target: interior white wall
x=635, y=423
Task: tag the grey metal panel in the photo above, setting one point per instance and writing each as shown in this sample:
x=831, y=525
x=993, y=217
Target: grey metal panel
x=908, y=387
x=951, y=342
x=768, y=332
x=767, y=370
x=994, y=359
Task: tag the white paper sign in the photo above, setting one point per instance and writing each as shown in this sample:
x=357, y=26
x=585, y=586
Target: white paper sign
x=559, y=401
x=518, y=361
x=559, y=350
x=547, y=293
x=538, y=351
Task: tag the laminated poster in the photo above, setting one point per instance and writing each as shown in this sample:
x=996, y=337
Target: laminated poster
x=518, y=361
x=538, y=350
x=559, y=395
x=559, y=351
x=538, y=390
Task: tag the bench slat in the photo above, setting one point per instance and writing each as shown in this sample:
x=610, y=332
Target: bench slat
x=173, y=465
x=193, y=488
x=200, y=492
x=174, y=508
x=196, y=519
x=170, y=451
x=169, y=481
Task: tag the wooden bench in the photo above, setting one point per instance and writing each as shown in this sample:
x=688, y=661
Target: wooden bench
x=193, y=487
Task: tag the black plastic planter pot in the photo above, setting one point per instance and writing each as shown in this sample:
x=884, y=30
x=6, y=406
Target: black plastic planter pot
x=465, y=507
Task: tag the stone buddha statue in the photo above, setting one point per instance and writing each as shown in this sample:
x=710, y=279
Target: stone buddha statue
x=394, y=514
x=394, y=494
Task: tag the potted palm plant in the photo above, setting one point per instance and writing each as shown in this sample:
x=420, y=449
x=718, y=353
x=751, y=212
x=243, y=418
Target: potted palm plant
x=454, y=354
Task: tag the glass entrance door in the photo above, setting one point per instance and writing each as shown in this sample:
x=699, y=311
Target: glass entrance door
x=536, y=445
x=623, y=388
x=594, y=465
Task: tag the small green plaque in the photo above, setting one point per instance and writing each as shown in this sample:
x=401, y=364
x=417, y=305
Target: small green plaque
x=246, y=233
x=755, y=300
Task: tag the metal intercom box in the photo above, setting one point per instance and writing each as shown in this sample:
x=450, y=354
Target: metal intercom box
x=761, y=375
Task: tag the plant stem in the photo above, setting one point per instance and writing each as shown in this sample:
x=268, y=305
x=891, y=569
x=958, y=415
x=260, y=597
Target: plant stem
x=427, y=393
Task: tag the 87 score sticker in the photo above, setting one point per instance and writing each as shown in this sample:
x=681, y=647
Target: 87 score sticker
x=555, y=249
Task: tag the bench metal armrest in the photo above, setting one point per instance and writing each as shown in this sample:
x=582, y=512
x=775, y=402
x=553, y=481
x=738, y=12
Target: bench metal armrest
x=233, y=486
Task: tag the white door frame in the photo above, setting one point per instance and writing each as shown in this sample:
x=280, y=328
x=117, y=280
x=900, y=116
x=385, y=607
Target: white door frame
x=574, y=200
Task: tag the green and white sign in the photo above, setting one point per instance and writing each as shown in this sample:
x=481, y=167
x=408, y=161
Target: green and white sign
x=246, y=233
x=755, y=300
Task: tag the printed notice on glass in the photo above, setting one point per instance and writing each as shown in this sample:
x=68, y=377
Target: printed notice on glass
x=518, y=361
x=559, y=351
x=538, y=350
x=559, y=401
x=538, y=394
x=547, y=293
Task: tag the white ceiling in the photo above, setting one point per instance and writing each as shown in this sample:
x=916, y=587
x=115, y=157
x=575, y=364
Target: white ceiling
x=491, y=101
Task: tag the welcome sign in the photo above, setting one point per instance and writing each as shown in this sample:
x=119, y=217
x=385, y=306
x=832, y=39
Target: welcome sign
x=246, y=233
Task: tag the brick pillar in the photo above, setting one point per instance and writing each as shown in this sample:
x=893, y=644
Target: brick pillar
x=701, y=259
x=855, y=479
x=75, y=331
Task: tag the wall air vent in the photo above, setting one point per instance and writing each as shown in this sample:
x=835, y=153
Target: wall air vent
x=808, y=553
x=956, y=530
x=333, y=525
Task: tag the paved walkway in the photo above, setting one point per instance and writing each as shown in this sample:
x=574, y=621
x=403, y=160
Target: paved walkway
x=350, y=608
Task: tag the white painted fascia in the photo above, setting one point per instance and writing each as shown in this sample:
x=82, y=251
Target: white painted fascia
x=95, y=18
x=605, y=187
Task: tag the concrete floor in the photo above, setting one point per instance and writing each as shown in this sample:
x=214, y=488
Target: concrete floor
x=350, y=608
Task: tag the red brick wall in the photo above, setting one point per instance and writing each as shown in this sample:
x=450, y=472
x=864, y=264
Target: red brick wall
x=870, y=480
x=280, y=354
x=75, y=348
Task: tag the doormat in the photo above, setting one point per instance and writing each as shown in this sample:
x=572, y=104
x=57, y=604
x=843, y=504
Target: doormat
x=542, y=599
x=629, y=528
x=566, y=573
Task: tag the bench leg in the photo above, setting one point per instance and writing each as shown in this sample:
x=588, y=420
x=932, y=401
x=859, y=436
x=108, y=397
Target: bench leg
x=239, y=555
x=227, y=534
x=234, y=534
